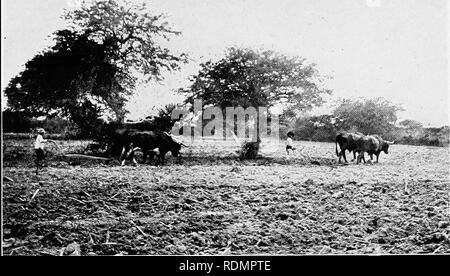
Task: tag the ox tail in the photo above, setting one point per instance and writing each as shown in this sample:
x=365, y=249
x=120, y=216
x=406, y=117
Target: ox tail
x=337, y=153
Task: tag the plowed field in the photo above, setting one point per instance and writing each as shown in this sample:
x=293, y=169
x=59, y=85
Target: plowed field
x=213, y=203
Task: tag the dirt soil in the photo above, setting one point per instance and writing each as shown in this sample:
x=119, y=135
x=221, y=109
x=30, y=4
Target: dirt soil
x=212, y=203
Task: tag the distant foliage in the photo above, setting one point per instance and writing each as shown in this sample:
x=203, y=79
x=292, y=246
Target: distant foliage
x=20, y=123
x=369, y=116
x=374, y=116
x=320, y=128
x=411, y=125
x=15, y=121
x=422, y=136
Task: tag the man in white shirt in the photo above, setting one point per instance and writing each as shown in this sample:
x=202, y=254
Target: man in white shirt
x=289, y=144
x=299, y=151
x=39, y=148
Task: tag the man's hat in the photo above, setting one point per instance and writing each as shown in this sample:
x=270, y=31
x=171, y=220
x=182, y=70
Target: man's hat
x=41, y=130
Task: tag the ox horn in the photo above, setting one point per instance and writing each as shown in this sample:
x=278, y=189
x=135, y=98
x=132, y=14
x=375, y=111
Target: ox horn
x=176, y=139
x=390, y=143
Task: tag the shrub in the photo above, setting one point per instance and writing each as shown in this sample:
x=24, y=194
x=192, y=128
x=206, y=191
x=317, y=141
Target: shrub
x=249, y=150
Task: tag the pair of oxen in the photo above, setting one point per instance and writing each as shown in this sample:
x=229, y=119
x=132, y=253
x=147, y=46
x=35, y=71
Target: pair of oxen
x=361, y=144
x=151, y=143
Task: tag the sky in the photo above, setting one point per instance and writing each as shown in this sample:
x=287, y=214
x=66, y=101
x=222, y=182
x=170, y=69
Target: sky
x=396, y=49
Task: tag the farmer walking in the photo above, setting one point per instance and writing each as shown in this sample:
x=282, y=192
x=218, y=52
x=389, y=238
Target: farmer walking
x=39, y=148
x=290, y=147
x=289, y=144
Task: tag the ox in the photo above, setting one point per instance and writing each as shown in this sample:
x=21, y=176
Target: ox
x=130, y=140
x=347, y=141
x=372, y=144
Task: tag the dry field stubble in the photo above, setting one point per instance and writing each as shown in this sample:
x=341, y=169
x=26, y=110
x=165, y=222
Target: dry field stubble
x=212, y=203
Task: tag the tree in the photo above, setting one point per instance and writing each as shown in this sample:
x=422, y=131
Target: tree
x=315, y=128
x=72, y=79
x=131, y=34
x=369, y=116
x=93, y=66
x=411, y=124
x=245, y=77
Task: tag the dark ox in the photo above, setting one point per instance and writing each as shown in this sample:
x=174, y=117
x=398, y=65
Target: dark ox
x=347, y=141
x=147, y=141
x=372, y=144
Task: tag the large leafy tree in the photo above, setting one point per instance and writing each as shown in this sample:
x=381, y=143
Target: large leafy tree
x=245, y=77
x=369, y=116
x=72, y=79
x=133, y=35
x=95, y=64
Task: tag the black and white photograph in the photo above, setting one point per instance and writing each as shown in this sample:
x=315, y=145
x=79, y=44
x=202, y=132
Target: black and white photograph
x=237, y=128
